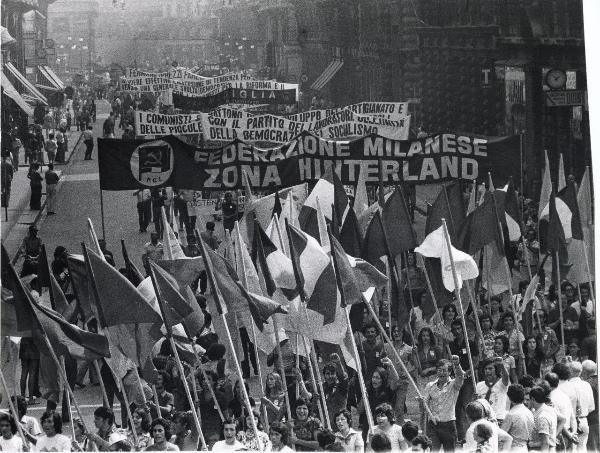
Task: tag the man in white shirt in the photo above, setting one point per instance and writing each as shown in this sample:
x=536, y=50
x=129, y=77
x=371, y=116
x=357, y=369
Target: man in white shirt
x=543, y=437
x=582, y=402
x=518, y=422
x=230, y=443
x=500, y=440
x=494, y=386
x=567, y=429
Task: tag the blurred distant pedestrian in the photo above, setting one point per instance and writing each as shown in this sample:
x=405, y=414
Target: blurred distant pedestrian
x=51, y=147
x=52, y=179
x=35, y=183
x=108, y=128
x=88, y=140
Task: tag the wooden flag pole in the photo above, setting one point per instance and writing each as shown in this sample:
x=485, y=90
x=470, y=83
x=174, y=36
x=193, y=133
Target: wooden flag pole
x=297, y=364
x=139, y=381
x=388, y=271
x=210, y=388
x=361, y=379
x=221, y=303
x=560, y=304
x=177, y=359
x=128, y=409
x=187, y=392
x=471, y=293
x=62, y=362
x=589, y=274
x=459, y=303
x=102, y=386
x=282, y=370
x=14, y=412
x=398, y=358
x=260, y=378
x=313, y=367
x=155, y=395
x=526, y=257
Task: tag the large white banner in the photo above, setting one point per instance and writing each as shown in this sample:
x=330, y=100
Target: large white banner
x=226, y=124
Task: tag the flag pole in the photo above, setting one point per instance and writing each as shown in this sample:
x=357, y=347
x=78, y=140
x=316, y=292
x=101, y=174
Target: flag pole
x=346, y=310
x=316, y=380
x=459, y=303
x=526, y=257
x=260, y=376
x=589, y=273
x=388, y=271
x=509, y=283
x=221, y=303
x=155, y=395
x=282, y=369
x=139, y=381
x=177, y=359
x=101, y=382
x=560, y=304
x=15, y=413
x=204, y=375
x=471, y=293
x=397, y=356
x=128, y=409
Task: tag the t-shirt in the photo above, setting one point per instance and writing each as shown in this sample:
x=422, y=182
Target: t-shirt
x=58, y=442
x=498, y=398
x=169, y=447
x=15, y=443
x=222, y=445
x=394, y=434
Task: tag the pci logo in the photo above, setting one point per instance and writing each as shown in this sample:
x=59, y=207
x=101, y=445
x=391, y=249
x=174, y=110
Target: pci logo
x=152, y=163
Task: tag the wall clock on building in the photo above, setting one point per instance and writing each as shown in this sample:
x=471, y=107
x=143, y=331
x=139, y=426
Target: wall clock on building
x=556, y=79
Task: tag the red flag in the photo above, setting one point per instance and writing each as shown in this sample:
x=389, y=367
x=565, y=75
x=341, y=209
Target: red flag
x=396, y=220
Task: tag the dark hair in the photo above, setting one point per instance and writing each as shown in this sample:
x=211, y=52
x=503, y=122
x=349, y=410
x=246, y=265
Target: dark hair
x=283, y=430
x=474, y=410
x=210, y=226
x=325, y=437
x=505, y=316
x=4, y=417
x=523, y=284
x=215, y=351
x=50, y=166
x=347, y=415
x=447, y=308
x=562, y=370
x=165, y=424
x=410, y=430
x=505, y=342
x=455, y=323
x=369, y=325
x=384, y=378
x=56, y=420
x=552, y=379
x=423, y=441
x=538, y=394
x=538, y=352
x=301, y=402
x=257, y=420
x=330, y=367
x=527, y=381
x=485, y=316
x=380, y=442
x=483, y=430
x=443, y=362
x=164, y=375
x=387, y=410
x=184, y=417
x=431, y=336
x=106, y=413
x=516, y=393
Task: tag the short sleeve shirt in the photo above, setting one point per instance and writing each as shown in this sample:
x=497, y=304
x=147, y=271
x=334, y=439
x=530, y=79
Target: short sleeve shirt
x=352, y=440
x=545, y=423
x=519, y=423
x=58, y=442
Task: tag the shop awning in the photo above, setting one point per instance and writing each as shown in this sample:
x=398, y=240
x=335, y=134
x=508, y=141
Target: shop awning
x=12, y=93
x=333, y=67
x=49, y=74
x=26, y=83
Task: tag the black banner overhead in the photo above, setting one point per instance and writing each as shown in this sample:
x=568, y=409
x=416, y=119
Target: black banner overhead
x=234, y=96
x=132, y=164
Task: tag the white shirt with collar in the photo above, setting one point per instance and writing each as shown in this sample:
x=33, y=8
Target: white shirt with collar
x=584, y=397
x=562, y=404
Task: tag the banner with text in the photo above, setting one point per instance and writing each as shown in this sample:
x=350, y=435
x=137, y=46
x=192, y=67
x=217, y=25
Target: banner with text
x=234, y=95
x=131, y=164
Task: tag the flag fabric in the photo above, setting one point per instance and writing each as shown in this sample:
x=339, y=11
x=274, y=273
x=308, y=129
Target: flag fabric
x=61, y=304
x=472, y=198
x=578, y=248
x=374, y=244
x=350, y=235
x=185, y=270
x=43, y=274
x=172, y=247
x=435, y=246
x=344, y=273
x=322, y=225
x=361, y=199
x=397, y=223
x=132, y=324
x=552, y=235
x=331, y=193
x=494, y=270
x=277, y=205
x=566, y=200
x=170, y=296
x=131, y=271
x=82, y=287
x=480, y=228
x=562, y=181
x=546, y=186
x=506, y=199
x=30, y=316
x=314, y=273
x=449, y=205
